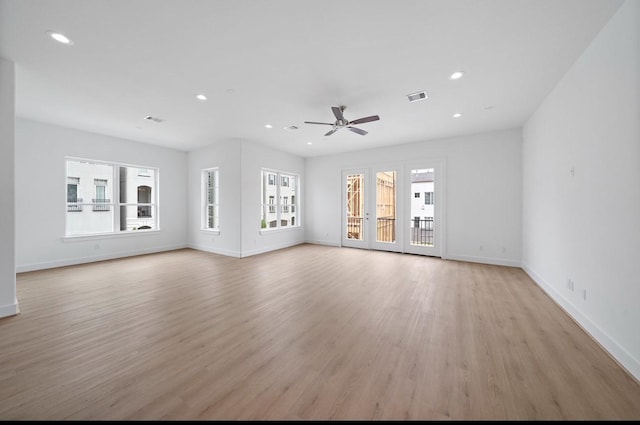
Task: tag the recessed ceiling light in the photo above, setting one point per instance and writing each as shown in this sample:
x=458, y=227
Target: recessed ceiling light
x=201, y=97
x=456, y=75
x=457, y=115
x=268, y=126
x=291, y=128
x=154, y=119
x=414, y=97
x=309, y=143
x=61, y=38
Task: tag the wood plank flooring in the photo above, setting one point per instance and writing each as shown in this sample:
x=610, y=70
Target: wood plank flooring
x=309, y=332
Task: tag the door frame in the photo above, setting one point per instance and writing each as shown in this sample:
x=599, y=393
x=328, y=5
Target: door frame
x=439, y=239
x=403, y=206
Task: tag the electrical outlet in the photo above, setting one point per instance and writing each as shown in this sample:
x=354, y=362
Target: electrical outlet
x=481, y=248
x=570, y=284
x=584, y=294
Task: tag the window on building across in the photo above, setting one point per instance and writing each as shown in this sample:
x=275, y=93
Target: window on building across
x=107, y=198
x=210, y=196
x=279, y=201
x=428, y=198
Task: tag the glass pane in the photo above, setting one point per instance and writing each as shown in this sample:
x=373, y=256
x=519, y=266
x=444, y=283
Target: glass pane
x=84, y=216
x=269, y=192
x=137, y=186
x=386, y=206
x=355, y=207
x=422, y=207
x=287, y=193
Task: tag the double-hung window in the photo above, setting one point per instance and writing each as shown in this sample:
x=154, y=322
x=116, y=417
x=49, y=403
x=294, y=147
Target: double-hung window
x=104, y=197
x=210, y=199
x=279, y=197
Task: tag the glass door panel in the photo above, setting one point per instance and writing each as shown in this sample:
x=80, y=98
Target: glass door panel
x=422, y=225
x=355, y=216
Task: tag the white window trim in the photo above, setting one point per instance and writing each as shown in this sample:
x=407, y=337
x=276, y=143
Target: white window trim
x=116, y=202
x=277, y=204
x=203, y=200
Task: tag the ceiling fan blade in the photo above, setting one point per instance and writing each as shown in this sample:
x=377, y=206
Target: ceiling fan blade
x=313, y=122
x=331, y=132
x=357, y=130
x=338, y=113
x=365, y=119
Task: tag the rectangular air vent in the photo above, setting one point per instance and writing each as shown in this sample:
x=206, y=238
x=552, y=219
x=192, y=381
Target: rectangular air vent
x=414, y=97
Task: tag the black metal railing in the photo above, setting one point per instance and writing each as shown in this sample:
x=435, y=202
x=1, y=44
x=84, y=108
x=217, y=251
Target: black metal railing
x=422, y=232
x=144, y=211
x=98, y=205
x=285, y=208
x=355, y=227
x=386, y=229
x=72, y=204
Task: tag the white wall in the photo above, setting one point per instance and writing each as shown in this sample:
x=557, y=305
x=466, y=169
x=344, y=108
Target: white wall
x=483, y=193
x=255, y=157
x=585, y=226
x=41, y=189
x=8, y=302
x=225, y=156
x=240, y=164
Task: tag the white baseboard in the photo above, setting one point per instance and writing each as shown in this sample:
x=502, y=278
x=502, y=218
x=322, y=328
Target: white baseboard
x=269, y=248
x=214, y=250
x=622, y=356
x=327, y=243
x=90, y=259
x=485, y=260
x=9, y=310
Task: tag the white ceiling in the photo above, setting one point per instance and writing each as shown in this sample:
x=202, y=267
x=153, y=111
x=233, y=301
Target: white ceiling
x=283, y=62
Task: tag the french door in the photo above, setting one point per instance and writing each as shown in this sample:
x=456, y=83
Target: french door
x=393, y=208
x=371, y=209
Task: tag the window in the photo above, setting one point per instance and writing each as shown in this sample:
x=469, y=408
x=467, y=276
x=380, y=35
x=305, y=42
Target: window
x=210, y=196
x=272, y=205
x=416, y=195
x=428, y=198
x=285, y=212
x=121, y=199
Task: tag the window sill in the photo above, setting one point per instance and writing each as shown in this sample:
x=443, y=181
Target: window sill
x=279, y=229
x=210, y=231
x=135, y=233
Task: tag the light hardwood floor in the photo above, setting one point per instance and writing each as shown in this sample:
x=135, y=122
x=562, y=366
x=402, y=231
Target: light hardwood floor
x=309, y=332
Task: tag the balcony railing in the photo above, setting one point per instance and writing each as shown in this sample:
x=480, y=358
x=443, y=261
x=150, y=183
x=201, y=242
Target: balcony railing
x=422, y=232
x=72, y=204
x=355, y=228
x=144, y=211
x=386, y=229
x=98, y=204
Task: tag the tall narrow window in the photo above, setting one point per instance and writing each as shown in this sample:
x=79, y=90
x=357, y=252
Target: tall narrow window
x=121, y=198
x=101, y=202
x=210, y=187
x=428, y=198
x=279, y=207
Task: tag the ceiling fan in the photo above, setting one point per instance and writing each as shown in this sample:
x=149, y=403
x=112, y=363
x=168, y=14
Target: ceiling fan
x=342, y=122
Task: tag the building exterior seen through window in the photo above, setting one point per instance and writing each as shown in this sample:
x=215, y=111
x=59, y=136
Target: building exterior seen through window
x=279, y=200
x=211, y=196
x=107, y=198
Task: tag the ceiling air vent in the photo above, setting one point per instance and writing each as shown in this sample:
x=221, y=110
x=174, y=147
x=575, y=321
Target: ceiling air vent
x=414, y=97
x=291, y=128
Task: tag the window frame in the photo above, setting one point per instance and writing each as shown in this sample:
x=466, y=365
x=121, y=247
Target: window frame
x=114, y=201
x=291, y=208
x=204, y=225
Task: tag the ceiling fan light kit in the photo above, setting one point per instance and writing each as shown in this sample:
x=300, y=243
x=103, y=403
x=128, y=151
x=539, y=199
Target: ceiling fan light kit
x=342, y=122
